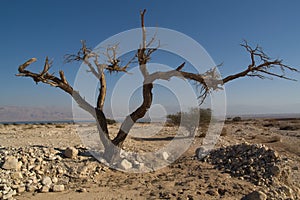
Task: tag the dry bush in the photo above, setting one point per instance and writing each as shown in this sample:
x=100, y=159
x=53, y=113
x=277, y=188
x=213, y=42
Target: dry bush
x=28, y=126
x=236, y=119
x=186, y=118
x=289, y=127
x=111, y=121
x=60, y=126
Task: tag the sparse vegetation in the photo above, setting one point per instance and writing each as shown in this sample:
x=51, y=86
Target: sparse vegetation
x=269, y=125
x=187, y=119
x=236, y=119
x=60, y=126
x=111, y=121
x=289, y=127
x=204, y=116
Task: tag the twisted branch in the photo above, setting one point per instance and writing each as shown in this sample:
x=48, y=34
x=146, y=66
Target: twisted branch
x=261, y=66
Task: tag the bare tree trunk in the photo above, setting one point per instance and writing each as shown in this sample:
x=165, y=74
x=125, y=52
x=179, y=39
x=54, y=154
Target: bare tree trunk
x=102, y=92
x=133, y=117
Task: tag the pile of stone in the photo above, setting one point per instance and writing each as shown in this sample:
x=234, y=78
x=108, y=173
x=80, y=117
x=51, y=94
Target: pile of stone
x=253, y=162
x=42, y=169
x=45, y=169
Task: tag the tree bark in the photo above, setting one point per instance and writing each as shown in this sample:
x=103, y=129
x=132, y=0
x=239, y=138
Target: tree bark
x=133, y=117
x=102, y=92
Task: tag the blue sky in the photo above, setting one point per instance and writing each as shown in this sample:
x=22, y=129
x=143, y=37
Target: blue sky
x=54, y=28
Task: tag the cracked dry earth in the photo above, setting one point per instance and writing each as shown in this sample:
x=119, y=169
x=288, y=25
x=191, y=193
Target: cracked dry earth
x=264, y=164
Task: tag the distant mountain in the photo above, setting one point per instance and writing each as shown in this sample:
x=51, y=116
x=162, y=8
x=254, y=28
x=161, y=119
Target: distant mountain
x=273, y=116
x=19, y=114
x=53, y=113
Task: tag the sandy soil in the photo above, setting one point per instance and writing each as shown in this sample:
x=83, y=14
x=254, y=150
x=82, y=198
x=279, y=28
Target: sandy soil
x=186, y=178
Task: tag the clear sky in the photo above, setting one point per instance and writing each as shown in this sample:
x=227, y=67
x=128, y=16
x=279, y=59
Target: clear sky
x=54, y=28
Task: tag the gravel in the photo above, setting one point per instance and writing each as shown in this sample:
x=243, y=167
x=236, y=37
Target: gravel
x=42, y=169
x=253, y=162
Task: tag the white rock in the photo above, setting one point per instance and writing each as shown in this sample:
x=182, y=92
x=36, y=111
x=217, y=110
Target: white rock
x=37, y=179
x=45, y=189
x=30, y=188
x=141, y=165
x=104, y=161
x=54, y=180
x=125, y=164
x=201, y=152
x=46, y=181
x=165, y=155
x=60, y=170
x=16, y=175
x=11, y=163
x=21, y=189
x=58, y=188
x=10, y=194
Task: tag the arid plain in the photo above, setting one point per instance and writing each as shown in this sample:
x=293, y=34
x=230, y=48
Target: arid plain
x=253, y=159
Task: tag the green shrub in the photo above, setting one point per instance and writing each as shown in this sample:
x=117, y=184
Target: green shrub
x=111, y=121
x=188, y=118
x=204, y=116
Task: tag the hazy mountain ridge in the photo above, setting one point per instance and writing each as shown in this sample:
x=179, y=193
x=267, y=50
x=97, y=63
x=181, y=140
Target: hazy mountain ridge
x=29, y=114
x=18, y=113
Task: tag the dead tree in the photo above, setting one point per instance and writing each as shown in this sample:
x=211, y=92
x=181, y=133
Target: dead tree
x=261, y=66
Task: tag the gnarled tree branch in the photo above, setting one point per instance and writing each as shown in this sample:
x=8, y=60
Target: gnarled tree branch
x=63, y=84
x=52, y=80
x=261, y=66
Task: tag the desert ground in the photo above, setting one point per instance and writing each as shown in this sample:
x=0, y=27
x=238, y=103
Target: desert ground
x=253, y=159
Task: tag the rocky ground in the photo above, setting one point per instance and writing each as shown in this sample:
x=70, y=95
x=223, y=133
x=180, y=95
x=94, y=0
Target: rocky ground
x=253, y=159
